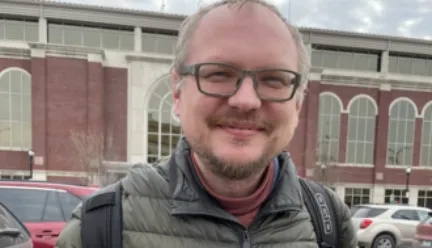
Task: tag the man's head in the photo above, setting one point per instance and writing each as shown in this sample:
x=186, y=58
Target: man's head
x=238, y=80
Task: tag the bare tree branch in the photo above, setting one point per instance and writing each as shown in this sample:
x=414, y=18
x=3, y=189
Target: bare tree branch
x=90, y=148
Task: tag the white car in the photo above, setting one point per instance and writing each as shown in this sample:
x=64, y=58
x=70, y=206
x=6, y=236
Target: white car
x=386, y=225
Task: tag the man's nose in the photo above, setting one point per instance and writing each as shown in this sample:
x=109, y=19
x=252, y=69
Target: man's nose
x=245, y=99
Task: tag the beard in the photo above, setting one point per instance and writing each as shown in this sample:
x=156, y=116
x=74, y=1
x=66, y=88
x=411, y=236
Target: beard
x=232, y=170
x=226, y=167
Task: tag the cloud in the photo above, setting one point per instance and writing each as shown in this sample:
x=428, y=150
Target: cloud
x=408, y=18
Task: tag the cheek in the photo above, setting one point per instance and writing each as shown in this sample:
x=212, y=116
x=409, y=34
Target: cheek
x=287, y=116
x=194, y=108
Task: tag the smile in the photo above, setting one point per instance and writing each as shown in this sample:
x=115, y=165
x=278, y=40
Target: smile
x=241, y=131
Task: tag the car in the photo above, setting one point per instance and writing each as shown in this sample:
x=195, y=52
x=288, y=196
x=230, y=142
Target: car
x=424, y=233
x=386, y=225
x=44, y=207
x=13, y=233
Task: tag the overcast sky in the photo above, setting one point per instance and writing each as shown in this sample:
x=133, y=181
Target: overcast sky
x=408, y=18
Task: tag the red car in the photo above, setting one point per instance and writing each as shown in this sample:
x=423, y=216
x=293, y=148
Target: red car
x=424, y=233
x=44, y=207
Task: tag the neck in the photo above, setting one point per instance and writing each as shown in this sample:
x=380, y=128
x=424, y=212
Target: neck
x=226, y=187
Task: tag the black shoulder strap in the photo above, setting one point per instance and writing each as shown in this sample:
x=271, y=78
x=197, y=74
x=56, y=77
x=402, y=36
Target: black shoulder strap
x=102, y=219
x=323, y=213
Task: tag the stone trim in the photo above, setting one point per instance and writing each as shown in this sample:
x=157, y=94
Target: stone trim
x=21, y=51
x=150, y=57
x=55, y=50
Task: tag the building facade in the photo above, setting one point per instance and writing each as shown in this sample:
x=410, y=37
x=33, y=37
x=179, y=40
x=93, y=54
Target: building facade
x=72, y=71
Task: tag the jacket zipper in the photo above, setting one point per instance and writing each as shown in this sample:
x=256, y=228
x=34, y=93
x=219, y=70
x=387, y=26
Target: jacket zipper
x=246, y=239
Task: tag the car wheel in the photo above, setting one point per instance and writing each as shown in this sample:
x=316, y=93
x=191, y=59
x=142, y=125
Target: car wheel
x=384, y=241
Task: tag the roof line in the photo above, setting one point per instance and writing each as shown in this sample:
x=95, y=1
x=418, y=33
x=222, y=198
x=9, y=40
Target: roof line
x=181, y=17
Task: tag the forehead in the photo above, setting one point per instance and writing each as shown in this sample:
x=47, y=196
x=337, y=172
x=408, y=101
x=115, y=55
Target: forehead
x=250, y=36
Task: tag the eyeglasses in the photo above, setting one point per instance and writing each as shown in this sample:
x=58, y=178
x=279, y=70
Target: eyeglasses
x=222, y=80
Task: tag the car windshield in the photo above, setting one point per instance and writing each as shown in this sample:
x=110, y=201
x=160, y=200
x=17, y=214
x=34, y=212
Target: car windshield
x=427, y=221
x=9, y=222
x=367, y=212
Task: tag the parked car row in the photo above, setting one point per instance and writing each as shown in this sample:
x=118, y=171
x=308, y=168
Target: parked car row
x=40, y=210
x=392, y=225
x=42, y=207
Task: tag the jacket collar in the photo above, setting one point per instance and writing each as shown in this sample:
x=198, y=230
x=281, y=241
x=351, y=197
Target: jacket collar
x=189, y=196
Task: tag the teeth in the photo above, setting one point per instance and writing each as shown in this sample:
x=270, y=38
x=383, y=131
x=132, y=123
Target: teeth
x=242, y=128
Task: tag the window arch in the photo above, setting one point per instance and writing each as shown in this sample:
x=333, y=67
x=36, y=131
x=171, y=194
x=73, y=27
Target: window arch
x=15, y=109
x=163, y=128
x=361, y=130
x=401, y=132
x=426, y=143
x=330, y=107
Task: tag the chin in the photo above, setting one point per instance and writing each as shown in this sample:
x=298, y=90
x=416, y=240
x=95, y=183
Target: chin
x=237, y=154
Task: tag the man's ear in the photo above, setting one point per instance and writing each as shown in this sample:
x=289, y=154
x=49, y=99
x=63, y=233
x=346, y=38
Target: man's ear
x=175, y=80
x=302, y=91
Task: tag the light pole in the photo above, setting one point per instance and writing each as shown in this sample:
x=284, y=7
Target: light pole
x=323, y=173
x=408, y=173
x=31, y=156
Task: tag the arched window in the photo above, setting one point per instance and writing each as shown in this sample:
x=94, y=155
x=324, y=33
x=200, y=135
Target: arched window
x=361, y=131
x=401, y=133
x=426, y=145
x=15, y=109
x=330, y=108
x=163, y=128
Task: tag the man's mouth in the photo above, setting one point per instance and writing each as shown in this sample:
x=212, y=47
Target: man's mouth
x=243, y=127
x=241, y=132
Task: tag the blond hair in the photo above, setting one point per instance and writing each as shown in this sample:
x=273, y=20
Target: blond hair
x=189, y=26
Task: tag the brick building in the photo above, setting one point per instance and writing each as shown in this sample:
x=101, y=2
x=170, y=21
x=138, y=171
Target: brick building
x=98, y=72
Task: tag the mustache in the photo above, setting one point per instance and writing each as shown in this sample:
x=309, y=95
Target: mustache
x=233, y=118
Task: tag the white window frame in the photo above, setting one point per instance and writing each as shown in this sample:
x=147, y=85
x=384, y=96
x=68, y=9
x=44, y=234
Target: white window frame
x=321, y=126
x=360, y=120
x=7, y=72
x=426, y=147
x=166, y=98
x=397, y=119
x=354, y=195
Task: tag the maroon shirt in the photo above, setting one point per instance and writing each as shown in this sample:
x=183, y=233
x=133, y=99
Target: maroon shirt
x=244, y=208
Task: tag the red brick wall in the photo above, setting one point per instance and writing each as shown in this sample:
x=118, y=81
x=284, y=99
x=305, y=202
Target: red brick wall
x=71, y=95
x=116, y=113
x=303, y=146
x=39, y=108
x=20, y=63
x=14, y=159
x=66, y=110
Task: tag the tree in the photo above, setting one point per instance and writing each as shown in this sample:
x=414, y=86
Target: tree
x=325, y=170
x=90, y=148
x=394, y=156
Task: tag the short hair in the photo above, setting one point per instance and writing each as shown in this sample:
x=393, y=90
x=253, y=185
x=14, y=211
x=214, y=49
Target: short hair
x=189, y=26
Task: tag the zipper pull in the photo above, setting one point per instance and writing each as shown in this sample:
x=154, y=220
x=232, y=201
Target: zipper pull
x=246, y=240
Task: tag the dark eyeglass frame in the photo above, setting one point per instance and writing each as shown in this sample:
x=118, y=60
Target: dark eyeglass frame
x=193, y=70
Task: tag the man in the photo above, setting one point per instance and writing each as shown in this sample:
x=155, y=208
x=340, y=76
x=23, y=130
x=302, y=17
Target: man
x=238, y=80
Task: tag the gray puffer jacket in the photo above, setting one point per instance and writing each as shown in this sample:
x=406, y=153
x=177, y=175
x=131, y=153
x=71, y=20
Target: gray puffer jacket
x=166, y=206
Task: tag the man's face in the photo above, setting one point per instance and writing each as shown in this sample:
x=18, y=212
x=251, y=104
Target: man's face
x=238, y=136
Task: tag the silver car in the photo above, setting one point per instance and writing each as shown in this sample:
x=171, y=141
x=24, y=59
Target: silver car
x=13, y=233
x=386, y=225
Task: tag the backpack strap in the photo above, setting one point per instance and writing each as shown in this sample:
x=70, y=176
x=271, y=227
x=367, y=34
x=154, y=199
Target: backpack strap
x=102, y=218
x=323, y=213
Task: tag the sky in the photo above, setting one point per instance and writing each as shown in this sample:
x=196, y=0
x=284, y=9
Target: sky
x=405, y=18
